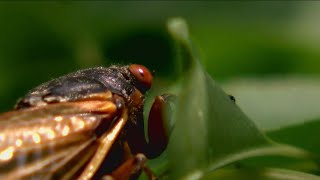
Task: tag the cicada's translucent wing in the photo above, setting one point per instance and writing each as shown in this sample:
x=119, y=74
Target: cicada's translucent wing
x=50, y=141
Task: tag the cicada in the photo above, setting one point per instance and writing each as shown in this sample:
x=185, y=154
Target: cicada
x=84, y=125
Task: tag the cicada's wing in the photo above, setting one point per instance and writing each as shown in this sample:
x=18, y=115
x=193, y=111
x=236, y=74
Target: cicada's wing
x=63, y=163
x=50, y=141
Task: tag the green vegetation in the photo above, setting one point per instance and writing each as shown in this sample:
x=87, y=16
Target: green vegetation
x=265, y=54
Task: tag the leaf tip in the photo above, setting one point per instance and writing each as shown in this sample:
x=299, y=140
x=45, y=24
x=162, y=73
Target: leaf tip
x=178, y=28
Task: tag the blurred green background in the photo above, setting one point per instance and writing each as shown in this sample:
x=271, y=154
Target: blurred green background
x=254, y=41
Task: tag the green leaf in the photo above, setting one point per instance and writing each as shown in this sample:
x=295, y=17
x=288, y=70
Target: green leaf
x=211, y=131
x=279, y=101
x=296, y=135
x=272, y=102
x=260, y=173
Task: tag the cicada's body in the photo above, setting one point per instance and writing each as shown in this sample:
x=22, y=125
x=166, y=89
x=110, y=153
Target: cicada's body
x=88, y=124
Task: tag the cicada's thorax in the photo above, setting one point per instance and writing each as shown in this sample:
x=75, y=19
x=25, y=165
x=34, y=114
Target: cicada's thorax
x=79, y=85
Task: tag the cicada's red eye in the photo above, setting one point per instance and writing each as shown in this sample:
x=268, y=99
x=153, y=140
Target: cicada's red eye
x=142, y=74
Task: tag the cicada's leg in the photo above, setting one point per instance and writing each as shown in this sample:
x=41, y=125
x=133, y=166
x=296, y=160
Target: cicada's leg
x=130, y=169
x=132, y=166
x=158, y=131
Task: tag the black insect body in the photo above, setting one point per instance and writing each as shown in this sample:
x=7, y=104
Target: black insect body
x=87, y=124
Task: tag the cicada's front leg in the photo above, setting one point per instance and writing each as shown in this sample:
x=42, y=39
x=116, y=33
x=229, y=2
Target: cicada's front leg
x=158, y=128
